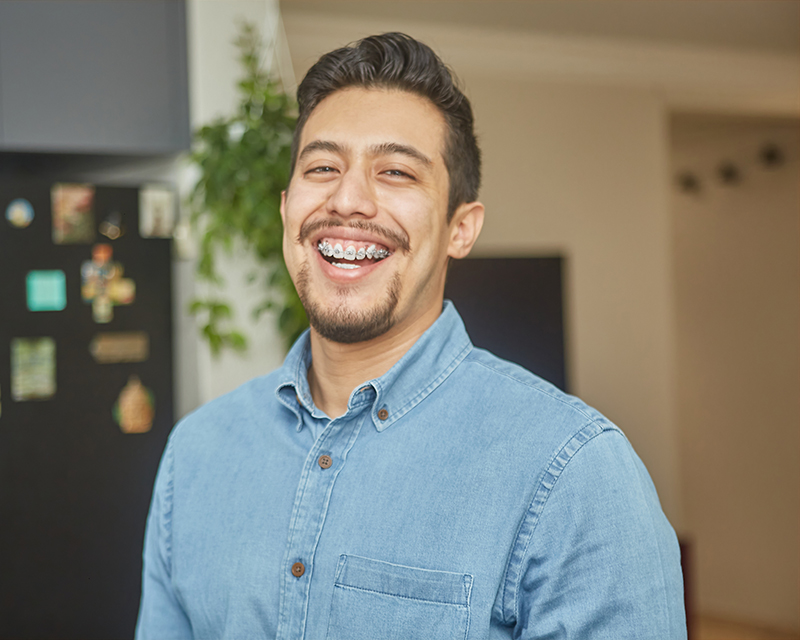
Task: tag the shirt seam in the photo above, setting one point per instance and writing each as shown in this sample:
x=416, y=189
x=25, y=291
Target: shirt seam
x=396, y=595
x=168, y=500
x=533, y=513
x=538, y=389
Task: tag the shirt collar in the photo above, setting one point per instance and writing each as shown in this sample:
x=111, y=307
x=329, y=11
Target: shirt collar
x=423, y=368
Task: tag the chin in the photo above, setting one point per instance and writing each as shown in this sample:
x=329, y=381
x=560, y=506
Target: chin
x=344, y=324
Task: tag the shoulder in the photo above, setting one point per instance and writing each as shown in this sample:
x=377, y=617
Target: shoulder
x=232, y=417
x=524, y=396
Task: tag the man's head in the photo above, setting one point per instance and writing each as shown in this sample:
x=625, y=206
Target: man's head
x=385, y=174
x=397, y=61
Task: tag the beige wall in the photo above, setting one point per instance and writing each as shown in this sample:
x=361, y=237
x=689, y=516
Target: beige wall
x=576, y=140
x=737, y=274
x=577, y=168
x=581, y=170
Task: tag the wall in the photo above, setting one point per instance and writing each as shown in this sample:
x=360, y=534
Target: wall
x=212, y=26
x=737, y=275
x=575, y=137
x=580, y=170
x=213, y=73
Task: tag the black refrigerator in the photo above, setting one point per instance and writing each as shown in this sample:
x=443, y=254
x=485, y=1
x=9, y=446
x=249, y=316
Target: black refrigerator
x=86, y=399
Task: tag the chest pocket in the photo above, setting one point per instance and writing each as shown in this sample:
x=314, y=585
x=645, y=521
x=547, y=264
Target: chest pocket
x=374, y=599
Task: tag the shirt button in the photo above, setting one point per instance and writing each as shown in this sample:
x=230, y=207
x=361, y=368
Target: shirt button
x=325, y=462
x=298, y=569
x=383, y=414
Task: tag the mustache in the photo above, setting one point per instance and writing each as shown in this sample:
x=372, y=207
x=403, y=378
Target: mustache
x=398, y=239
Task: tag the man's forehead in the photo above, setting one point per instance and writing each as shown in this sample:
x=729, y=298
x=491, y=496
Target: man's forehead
x=380, y=120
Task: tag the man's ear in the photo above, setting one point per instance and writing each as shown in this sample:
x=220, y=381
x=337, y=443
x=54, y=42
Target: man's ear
x=465, y=227
x=283, y=208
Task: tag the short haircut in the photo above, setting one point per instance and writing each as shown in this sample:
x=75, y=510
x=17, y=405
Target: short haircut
x=398, y=61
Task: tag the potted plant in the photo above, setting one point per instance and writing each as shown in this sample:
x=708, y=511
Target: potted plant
x=244, y=165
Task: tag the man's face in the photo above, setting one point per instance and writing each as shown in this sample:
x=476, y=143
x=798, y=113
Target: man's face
x=369, y=181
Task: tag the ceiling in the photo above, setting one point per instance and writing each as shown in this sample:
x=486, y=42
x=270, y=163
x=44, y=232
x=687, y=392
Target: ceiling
x=767, y=25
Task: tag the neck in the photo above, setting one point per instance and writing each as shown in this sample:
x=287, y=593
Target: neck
x=337, y=369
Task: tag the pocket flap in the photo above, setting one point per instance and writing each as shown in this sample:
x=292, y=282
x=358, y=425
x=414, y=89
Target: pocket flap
x=445, y=587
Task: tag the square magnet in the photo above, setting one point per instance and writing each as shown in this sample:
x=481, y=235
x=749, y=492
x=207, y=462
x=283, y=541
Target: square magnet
x=47, y=290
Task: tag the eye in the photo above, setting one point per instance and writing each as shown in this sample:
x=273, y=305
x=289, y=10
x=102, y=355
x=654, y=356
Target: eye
x=323, y=169
x=397, y=173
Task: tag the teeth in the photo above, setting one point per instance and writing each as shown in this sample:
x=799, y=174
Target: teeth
x=346, y=265
x=351, y=253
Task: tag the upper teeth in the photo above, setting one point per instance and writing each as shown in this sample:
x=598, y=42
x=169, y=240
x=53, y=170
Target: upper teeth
x=351, y=253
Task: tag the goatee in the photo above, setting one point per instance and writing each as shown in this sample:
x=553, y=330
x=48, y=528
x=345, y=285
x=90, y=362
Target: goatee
x=343, y=324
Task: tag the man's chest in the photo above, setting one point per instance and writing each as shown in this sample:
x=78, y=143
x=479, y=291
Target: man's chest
x=294, y=542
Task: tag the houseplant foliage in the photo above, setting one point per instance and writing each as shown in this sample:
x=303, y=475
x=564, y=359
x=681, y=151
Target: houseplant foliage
x=244, y=165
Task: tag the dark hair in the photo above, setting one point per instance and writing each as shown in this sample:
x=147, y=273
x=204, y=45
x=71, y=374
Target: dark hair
x=397, y=61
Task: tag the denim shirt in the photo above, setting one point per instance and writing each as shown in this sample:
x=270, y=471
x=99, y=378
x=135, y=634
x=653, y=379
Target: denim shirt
x=459, y=496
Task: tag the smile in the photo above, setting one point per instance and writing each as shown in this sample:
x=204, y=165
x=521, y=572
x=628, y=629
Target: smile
x=351, y=254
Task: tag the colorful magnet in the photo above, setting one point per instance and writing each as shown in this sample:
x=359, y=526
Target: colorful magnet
x=123, y=346
x=103, y=285
x=135, y=407
x=156, y=211
x=19, y=213
x=73, y=213
x=47, y=290
x=33, y=368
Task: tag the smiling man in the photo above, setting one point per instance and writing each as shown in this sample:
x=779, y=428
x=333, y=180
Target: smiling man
x=391, y=480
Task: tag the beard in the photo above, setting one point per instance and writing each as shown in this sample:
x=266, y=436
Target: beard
x=345, y=325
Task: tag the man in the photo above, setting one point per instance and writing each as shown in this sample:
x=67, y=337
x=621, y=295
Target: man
x=390, y=480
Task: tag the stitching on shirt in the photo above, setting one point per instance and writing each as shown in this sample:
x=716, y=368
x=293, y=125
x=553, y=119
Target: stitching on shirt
x=530, y=520
x=168, y=500
x=538, y=389
x=395, y=595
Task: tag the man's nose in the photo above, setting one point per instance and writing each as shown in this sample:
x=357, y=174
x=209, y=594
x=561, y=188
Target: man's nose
x=354, y=195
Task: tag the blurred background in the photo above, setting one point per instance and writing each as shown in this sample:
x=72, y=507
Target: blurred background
x=652, y=145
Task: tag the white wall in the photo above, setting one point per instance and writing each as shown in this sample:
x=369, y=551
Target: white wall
x=213, y=72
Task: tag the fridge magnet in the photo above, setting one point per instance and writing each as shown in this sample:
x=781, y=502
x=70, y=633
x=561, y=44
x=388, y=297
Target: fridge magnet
x=135, y=407
x=122, y=346
x=156, y=211
x=33, y=369
x=73, y=213
x=46, y=290
x=112, y=227
x=19, y=213
x=103, y=285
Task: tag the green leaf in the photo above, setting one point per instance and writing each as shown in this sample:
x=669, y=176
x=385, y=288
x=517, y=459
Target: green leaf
x=236, y=201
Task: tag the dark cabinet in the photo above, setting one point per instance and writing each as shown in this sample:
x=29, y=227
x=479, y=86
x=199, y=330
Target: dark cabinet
x=93, y=76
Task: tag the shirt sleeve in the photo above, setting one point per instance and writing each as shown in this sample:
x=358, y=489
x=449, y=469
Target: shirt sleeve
x=161, y=616
x=596, y=556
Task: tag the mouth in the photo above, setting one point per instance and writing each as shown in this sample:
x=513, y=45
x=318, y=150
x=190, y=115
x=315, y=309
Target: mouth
x=351, y=255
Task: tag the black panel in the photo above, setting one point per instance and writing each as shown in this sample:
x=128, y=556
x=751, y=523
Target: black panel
x=514, y=308
x=75, y=490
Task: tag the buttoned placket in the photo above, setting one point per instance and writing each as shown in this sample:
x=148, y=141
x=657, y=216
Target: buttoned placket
x=323, y=464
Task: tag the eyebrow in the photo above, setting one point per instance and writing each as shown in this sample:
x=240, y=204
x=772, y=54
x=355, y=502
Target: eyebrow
x=320, y=145
x=389, y=148
x=382, y=149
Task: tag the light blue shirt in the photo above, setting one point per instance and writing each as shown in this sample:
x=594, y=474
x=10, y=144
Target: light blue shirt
x=465, y=498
